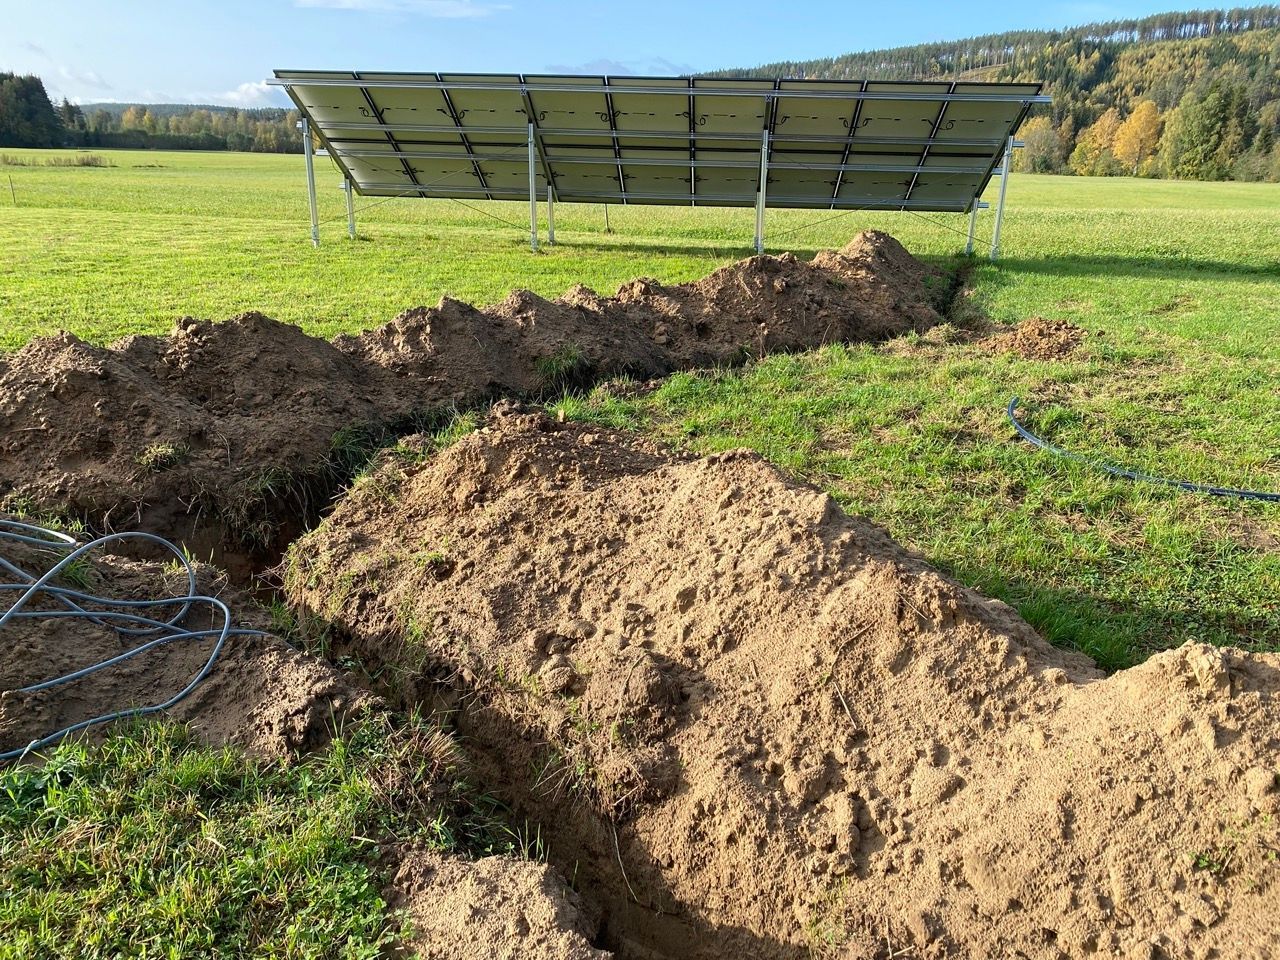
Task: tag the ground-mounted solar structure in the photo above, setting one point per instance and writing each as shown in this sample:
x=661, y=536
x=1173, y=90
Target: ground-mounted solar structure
x=816, y=144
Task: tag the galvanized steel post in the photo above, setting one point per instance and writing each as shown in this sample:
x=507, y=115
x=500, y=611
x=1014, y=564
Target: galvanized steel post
x=551, y=216
x=1004, y=187
x=533, y=194
x=760, y=194
x=311, y=183
x=351, y=209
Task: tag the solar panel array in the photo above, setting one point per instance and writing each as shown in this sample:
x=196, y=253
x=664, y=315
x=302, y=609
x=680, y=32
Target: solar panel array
x=664, y=140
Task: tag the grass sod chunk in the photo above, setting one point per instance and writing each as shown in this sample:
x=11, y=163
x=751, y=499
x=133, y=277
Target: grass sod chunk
x=155, y=843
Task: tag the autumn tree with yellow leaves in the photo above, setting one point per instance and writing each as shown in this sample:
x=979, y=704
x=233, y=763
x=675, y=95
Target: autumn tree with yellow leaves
x=1094, y=154
x=1138, y=138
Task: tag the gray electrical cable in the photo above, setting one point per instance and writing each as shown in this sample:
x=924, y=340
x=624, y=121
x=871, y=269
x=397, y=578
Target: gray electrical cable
x=122, y=616
x=1137, y=475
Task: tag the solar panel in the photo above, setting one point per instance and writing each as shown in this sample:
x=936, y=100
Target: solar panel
x=821, y=144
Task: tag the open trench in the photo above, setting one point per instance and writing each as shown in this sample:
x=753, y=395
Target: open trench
x=234, y=440
x=591, y=851
x=575, y=753
x=234, y=437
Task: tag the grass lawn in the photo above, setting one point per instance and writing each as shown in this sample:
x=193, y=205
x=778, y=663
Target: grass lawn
x=128, y=248
x=153, y=843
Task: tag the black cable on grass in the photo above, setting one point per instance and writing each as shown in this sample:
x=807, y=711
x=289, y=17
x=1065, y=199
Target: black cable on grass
x=1137, y=475
x=125, y=617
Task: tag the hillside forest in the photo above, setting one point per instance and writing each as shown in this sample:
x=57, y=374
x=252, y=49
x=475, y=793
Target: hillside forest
x=1192, y=95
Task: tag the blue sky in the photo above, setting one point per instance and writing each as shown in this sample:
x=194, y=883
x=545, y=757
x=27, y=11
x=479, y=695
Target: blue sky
x=220, y=51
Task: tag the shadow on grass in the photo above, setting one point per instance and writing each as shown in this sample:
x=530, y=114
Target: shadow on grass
x=1162, y=267
x=1118, y=635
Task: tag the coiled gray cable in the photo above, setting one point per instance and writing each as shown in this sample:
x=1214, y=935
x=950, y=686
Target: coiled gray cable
x=122, y=616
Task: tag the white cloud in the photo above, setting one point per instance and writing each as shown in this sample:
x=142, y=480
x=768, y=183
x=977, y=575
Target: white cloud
x=83, y=78
x=442, y=9
x=38, y=50
x=648, y=67
x=251, y=94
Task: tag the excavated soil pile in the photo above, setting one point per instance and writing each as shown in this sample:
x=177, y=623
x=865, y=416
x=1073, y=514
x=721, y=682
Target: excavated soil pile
x=225, y=432
x=1039, y=339
x=490, y=909
x=752, y=726
x=261, y=695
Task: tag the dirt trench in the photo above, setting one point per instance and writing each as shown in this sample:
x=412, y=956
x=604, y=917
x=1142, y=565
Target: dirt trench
x=273, y=701
x=751, y=725
x=232, y=438
x=262, y=695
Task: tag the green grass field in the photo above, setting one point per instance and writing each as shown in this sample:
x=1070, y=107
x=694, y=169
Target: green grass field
x=152, y=845
x=130, y=247
x=1178, y=285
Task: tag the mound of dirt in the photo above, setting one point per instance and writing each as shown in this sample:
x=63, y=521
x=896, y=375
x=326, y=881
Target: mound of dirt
x=490, y=909
x=262, y=694
x=751, y=725
x=1038, y=339
x=230, y=434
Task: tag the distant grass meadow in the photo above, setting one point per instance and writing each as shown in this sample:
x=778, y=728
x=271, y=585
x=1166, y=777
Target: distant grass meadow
x=1178, y=285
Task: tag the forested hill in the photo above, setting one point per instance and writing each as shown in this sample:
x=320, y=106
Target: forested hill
x=28, y=118
x=117, y=109
x=1211, y=77
x=1192, y=95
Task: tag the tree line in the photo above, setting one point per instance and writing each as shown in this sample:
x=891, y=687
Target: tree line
x=1212, y=134
x=28, y=118
x=1193, y=95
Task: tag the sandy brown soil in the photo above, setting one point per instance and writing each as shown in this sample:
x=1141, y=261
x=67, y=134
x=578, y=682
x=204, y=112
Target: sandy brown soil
x=759, y=728
x=490, y=909
x=1038, y=339
x=261, y=695
x=231, y=433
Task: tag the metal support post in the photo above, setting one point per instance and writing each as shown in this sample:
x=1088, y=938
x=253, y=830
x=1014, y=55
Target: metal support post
x=973, y=226
x=1004, y=186
x=551, y=216
x=533, y=194
x=607, y=228
x=351, y=209
x=311, y=183
x=760, y=194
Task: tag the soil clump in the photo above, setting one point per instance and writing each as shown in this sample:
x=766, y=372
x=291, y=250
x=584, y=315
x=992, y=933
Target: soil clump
x=494, y=908
x=1037, y=338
